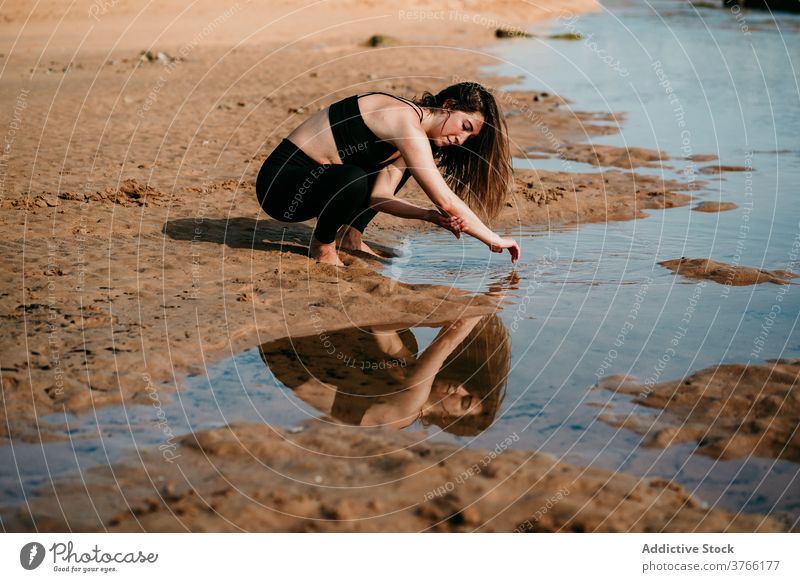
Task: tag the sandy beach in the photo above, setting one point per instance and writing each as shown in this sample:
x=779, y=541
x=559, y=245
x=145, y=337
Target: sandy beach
x=135, y=254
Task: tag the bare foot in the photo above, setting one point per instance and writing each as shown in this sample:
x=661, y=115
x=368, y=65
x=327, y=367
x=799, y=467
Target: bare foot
x=364, y=249
x=324, y=253
x=352, y=241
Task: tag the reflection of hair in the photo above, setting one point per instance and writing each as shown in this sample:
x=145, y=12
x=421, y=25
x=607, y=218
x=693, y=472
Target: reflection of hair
x=479, y=171
x=481, y=363
x=293, y=361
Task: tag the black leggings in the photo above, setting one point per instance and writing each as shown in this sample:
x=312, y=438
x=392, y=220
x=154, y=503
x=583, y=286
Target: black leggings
x=292, y=187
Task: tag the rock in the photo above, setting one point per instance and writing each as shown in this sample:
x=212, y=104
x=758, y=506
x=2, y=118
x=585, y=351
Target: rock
x=702, y=157
x=160, y=57
x=567, y=36
x=711, y=206
x=379, y=40
x=50, y=200
x=718, y=169
x=726, y=274
x=511, y=33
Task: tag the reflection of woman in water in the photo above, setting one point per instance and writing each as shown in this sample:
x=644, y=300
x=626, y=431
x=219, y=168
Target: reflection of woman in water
x=372, y=378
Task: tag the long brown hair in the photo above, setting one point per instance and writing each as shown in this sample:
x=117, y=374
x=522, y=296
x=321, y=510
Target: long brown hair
x=481, y=363
x=478, y=171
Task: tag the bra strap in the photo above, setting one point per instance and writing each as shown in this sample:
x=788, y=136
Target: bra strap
x=403, y=99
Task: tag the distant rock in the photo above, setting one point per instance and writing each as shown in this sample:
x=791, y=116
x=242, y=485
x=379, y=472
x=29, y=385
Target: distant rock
x=718, y=169
x=157, y=57
x=511, y=33
x=726, y=274
x=379, y=40
x=711, y=206
x=702, y=157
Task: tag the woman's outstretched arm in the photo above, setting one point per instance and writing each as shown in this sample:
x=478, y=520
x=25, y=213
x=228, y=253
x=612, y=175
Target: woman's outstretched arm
x=416, y=151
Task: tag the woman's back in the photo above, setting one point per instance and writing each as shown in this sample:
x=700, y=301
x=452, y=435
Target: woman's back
x=360, y=121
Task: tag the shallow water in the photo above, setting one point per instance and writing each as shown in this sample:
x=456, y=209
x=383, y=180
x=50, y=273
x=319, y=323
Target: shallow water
x=567, y=301
x=733, y=92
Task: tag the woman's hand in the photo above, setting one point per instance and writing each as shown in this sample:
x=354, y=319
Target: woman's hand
x=456, y=331
x=506, y=243
x=454, y=224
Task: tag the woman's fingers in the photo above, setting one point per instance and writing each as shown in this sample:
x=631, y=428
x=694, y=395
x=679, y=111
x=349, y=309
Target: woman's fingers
x=511, y=245
x=454, y=224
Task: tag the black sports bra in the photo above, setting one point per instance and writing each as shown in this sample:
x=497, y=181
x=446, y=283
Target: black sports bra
x=355, y=142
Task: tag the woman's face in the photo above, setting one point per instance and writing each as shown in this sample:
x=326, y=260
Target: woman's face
x=455, y=400
x=456, y=127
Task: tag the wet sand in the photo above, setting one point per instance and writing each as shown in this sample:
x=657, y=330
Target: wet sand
x=135, y=253
x=725, y=273
x=257, y=478
x=730, y=411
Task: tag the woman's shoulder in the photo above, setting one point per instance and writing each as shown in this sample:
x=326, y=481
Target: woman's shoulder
x=379, y=100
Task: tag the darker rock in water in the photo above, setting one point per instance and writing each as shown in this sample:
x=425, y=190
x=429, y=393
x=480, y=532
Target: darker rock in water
x=511, y=33
x=712, y=206
x=726, y=274
x=718, y=169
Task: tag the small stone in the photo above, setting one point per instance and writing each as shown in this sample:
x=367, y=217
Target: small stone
x=378, y=40
x=511, y=33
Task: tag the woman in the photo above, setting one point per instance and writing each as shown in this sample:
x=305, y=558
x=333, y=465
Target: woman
x=377, y=377
x=346, y=162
